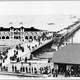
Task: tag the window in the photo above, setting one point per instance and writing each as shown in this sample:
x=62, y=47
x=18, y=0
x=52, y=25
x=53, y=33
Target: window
x=7, y=37
x=26, y=37
x=15, y=37
x=3, y=37
x=34, y=37
x=30, y=37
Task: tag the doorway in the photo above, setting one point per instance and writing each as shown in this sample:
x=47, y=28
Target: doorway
x=61, y=69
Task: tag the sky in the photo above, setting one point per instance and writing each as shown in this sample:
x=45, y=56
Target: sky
x=38, y=21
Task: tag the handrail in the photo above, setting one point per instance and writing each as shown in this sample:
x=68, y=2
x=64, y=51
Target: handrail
x=71, y=31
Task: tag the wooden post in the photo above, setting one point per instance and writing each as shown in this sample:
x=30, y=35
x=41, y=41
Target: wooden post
x=72, y=39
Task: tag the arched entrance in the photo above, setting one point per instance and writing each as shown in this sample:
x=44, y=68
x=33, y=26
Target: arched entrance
x=7, y=37
x=3, y=37
x=61, y=69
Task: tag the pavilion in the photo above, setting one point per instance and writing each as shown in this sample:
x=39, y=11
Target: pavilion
x=67, y=57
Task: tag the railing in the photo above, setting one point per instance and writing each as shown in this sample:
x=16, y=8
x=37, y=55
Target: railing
x=70, y=32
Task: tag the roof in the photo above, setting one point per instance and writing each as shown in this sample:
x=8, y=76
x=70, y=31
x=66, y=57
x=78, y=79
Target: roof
x=25, y=29
x=31, y=29
x=4, y=29
x=46, y=55
x=69, y=54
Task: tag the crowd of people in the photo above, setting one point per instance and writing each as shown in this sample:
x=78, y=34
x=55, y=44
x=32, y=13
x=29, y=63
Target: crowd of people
x=42, y=70
x=29, y=69
x=32, y=70
x=35, y=42
x=30, y=45
x=27, y=48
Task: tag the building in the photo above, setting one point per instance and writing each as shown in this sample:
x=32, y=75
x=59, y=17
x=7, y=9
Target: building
x=17, y=33
x=11, y=36
x=68, y=59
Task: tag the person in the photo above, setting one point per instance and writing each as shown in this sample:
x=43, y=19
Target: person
x=40, y=70
x=49, y=70
x=0, y=64
x=3, y=60
x=22, y=48
x=4, y=68
x=49, y=60
x=29, y=47
x=21, y=69
x=35, y=70
x=26, y=69
x=45, y=70
x=25, y=59
x=53, y=72
x=32, y=70
x=15, y=68
x=56, y=72
x=16, y=52
x=33, y=48
x=31, y=56
x=29, y=70
x=12, y=68
x=18, y=60
x=67, y=73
